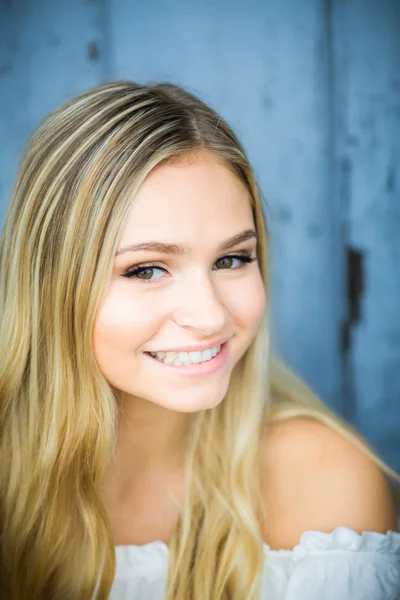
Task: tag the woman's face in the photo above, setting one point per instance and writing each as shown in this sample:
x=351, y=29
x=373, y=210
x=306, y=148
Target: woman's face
x=195, y=299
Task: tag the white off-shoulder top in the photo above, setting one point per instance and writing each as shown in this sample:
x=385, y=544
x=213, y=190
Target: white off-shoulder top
x=341, y=565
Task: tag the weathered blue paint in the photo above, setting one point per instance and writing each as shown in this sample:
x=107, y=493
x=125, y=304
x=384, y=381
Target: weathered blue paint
x=50, y=51
x=14, y=86
x=312, y=89
x=370, y=145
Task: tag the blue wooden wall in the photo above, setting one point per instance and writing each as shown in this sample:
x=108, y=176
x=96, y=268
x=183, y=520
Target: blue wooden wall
x=312, y=88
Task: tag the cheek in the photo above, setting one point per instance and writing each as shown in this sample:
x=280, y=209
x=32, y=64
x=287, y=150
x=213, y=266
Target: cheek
x=247, y=309
x=121, y=327
x=248, y=303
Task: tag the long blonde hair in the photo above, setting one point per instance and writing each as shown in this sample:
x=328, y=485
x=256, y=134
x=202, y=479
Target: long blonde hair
x=59, y=416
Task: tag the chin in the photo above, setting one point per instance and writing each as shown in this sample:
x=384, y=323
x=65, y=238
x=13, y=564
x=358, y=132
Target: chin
x=191, y=405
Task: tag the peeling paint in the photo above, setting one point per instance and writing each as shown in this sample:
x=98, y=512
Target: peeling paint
x=390, y=180
x=355, y=284
x=93, y=51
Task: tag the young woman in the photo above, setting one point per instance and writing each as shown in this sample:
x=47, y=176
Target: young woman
x=151, y=445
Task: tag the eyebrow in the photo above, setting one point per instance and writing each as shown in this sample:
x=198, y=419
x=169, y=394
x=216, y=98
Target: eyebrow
x=184, y=250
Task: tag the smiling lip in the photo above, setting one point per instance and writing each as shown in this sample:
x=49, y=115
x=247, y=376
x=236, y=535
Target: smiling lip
x=198, y=348
x=194, y=369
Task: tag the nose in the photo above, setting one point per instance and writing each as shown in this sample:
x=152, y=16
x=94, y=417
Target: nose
x=199, y=308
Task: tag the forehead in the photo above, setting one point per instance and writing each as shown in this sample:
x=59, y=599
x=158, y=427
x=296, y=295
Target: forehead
x=195, y=200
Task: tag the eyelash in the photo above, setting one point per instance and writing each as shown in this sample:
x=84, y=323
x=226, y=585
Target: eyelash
x=245, y=257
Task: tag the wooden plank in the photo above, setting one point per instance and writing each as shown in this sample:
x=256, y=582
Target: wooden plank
x=370, y=35
x=13, y=100
x=51, y=50
x=265, y=67
x=64, y=41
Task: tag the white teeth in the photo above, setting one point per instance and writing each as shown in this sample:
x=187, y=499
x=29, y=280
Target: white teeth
x=186, y=358
x=170, y=357
x=207, y=354
x=195, y=357
x=183, y=357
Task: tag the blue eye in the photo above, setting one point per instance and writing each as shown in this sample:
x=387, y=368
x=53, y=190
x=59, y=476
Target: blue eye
x=147, y=270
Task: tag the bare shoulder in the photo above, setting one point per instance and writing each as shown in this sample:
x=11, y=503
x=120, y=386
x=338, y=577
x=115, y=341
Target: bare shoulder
x=315, y=479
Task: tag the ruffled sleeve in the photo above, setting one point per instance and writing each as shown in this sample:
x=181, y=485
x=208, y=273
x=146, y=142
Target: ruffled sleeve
x=344, y=565
x=341, y=565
